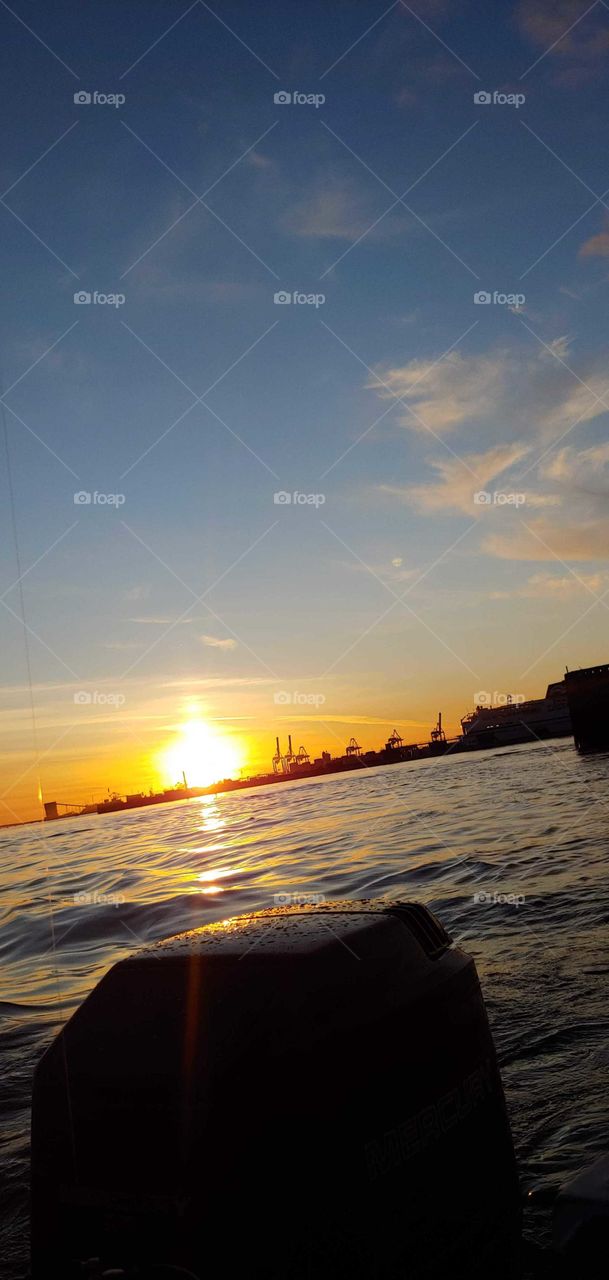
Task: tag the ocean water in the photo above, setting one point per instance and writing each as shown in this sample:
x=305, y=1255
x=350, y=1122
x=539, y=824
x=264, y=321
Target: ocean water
x=509, y=848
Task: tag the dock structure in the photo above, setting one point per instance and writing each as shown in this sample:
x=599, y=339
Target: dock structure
x=579, y=705
x=54, y=809
x=588, y=698
x=287, y=766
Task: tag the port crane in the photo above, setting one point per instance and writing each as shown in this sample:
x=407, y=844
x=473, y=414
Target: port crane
x=394, y=741
x=354, y=748
x=291, y=760
x=438, y=734
x=279, y=761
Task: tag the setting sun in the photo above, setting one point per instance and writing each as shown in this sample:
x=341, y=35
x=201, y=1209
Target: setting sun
x=202, y=754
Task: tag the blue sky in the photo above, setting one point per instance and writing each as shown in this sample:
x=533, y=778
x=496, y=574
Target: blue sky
x=397, y=398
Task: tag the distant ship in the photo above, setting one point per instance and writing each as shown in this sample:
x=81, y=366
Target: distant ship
x=514, y=721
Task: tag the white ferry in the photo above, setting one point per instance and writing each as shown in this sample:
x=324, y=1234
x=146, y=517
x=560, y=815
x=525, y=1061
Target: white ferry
x=515, y=721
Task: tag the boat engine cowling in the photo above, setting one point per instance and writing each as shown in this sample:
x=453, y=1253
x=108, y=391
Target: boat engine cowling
x=300, y=1092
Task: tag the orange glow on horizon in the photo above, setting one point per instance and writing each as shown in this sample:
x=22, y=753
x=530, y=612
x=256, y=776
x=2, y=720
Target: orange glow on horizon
x=201, y=753
x=107, y=753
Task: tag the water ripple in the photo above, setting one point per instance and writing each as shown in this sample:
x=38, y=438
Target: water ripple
x=509, y=848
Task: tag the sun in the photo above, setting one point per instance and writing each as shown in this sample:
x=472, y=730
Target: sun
x=202, y=754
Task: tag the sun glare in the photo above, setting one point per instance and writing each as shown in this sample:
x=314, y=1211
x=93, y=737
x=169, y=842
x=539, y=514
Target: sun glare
x=200, y=753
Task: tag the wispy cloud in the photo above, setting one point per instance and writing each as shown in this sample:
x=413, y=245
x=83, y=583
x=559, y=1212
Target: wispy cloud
x=597, y=246
x=555, y=588
x=581, y=471
x=256, y=160
x=337, y=209
x=122, y=645
x=546, y=540
x=162, y=620
x=214, y=683
x=447, y=392
x=215, y=642
x=501, y=389
x=572, y=31
x=454, y=491
x=393, y=571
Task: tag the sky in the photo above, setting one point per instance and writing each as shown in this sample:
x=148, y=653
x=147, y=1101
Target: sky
x=353, y=256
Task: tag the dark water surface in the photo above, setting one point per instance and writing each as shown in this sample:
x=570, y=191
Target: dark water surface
x=463, y=835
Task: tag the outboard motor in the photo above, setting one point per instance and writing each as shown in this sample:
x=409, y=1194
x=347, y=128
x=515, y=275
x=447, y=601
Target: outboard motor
x=306, y=1092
